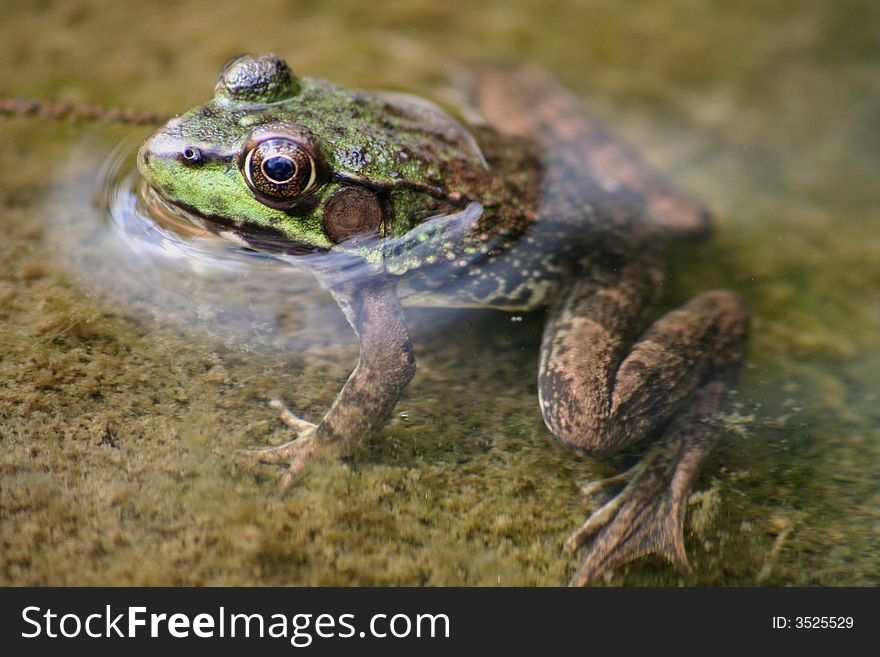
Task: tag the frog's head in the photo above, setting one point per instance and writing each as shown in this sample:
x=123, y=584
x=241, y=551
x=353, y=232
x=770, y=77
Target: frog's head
x=303, y=164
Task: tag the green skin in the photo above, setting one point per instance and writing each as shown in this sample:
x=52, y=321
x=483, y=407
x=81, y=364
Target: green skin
x=387, y=198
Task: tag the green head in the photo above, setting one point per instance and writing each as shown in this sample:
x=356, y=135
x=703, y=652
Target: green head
x=302, y=164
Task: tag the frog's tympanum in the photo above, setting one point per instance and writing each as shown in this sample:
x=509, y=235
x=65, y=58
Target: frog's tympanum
x=386, y=198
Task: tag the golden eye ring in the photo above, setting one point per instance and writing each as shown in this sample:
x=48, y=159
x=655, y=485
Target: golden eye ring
x=280, y=169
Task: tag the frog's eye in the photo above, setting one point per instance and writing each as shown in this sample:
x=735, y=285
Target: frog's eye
x=280, y=169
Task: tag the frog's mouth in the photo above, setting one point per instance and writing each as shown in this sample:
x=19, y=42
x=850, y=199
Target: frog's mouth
x=186, y=222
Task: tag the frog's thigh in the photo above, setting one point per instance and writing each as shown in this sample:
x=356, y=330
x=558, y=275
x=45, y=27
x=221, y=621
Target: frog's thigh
x=605, y=384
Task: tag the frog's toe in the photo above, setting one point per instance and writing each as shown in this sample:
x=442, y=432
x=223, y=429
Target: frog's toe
x=307, y=450
x=605, y=489
x=303, y=429
x=298, y=453
x=646, y=517
x=278, y=453
x=293, y=421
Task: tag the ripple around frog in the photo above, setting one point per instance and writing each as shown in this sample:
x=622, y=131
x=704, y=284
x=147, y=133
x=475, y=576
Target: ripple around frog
x=121, y=243
x=150, y=228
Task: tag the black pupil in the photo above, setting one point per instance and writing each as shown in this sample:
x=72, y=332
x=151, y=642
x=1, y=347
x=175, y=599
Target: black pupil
x=279, y=169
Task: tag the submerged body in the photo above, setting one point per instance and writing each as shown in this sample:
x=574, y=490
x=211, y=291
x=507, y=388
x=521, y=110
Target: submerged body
x=387, y=198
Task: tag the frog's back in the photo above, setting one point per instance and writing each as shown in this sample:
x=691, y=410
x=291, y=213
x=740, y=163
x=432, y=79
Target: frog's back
x=585, y=165
x=571, y=192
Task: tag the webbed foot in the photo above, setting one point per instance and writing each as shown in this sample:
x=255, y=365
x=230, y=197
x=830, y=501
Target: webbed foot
x=645, y=517
x=299, y=452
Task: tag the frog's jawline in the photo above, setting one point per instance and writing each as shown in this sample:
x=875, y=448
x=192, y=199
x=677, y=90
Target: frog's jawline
x=260, y=238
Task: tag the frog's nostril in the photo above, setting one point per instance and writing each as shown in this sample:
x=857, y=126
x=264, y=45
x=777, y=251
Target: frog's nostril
x=192, y=154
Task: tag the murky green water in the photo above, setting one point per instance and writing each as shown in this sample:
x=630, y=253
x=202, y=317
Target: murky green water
x=119, y=411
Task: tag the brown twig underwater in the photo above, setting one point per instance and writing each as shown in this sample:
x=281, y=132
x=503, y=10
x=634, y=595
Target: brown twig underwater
x=50, y=110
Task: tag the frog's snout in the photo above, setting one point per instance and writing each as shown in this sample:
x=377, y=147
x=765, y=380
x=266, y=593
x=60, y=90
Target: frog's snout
x=158, y=153
x=144, y=155
x=162, y=149
x=155, y=161
x=143, y=158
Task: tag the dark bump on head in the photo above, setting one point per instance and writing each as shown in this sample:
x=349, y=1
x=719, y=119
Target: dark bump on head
x=350, y=212
x=257, y=79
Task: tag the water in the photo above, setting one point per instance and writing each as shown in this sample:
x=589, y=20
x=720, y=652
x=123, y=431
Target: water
x=126, y=390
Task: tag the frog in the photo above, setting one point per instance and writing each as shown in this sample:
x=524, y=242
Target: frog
x=528, y=203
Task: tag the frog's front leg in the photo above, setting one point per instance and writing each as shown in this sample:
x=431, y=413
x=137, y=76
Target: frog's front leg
x=606, y=383
x=385, y=367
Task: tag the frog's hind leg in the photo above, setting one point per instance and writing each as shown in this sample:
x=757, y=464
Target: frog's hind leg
x=647, y=516
x=606, y=384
